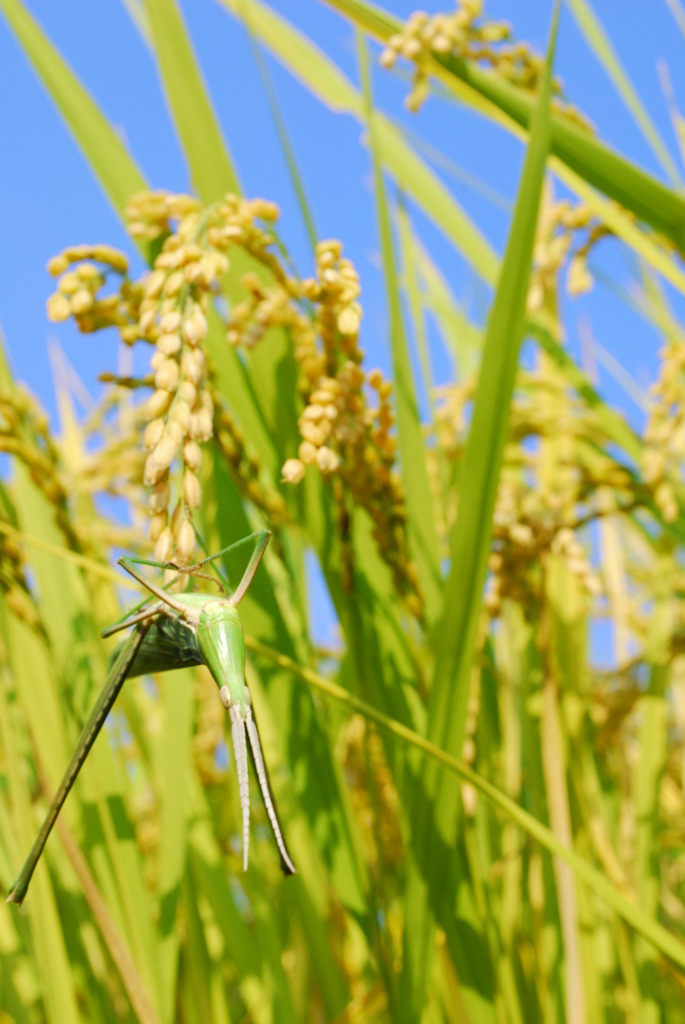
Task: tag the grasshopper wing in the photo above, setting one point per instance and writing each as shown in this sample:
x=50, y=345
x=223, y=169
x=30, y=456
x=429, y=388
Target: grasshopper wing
x=169, y=643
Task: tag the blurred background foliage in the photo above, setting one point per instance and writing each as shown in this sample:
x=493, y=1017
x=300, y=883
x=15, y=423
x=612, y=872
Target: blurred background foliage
x=480, y=772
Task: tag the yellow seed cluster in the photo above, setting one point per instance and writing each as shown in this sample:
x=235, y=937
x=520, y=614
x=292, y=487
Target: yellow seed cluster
x=180, y=411
x=664, y=448
x=25, y=433
x=533, y=518
x=153, y=215
x=168, y=309
x=557, y=229
x=347, y=425
x=567, y=234
x=460, y=34
x=14, y=585
x=173, y=315
x=83, y=270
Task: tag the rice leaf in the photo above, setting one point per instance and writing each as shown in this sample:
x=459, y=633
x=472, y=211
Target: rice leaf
x=598, y=41
x=412, y=445
x=435, y=812
x=209, y=161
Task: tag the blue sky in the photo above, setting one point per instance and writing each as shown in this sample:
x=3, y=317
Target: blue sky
x=49, y=198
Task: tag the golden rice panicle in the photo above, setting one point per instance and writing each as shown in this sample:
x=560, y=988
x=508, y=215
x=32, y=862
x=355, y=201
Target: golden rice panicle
x=558, y=230
x=82, y=272
x=167, y=309
x=149, y=215
x=189, y=269
x=173, y=318
x=664, y=439
x=462, y=35
x=533, y=517
x=567, y=235
x=25, y=434
x=14, y=586
x=347, y=423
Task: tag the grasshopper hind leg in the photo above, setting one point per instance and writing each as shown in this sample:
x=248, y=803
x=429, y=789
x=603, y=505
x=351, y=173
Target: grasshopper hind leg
x=242, y=722
x=260, y=767
x=240, y=754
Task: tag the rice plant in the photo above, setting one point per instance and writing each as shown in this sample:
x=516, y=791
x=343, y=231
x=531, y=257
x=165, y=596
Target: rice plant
x=484, y=817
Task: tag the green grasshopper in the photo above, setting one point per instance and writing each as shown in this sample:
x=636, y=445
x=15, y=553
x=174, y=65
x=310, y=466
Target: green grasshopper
x=170, y=632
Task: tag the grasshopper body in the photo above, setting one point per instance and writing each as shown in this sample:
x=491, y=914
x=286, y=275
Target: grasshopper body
x=173, y=631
